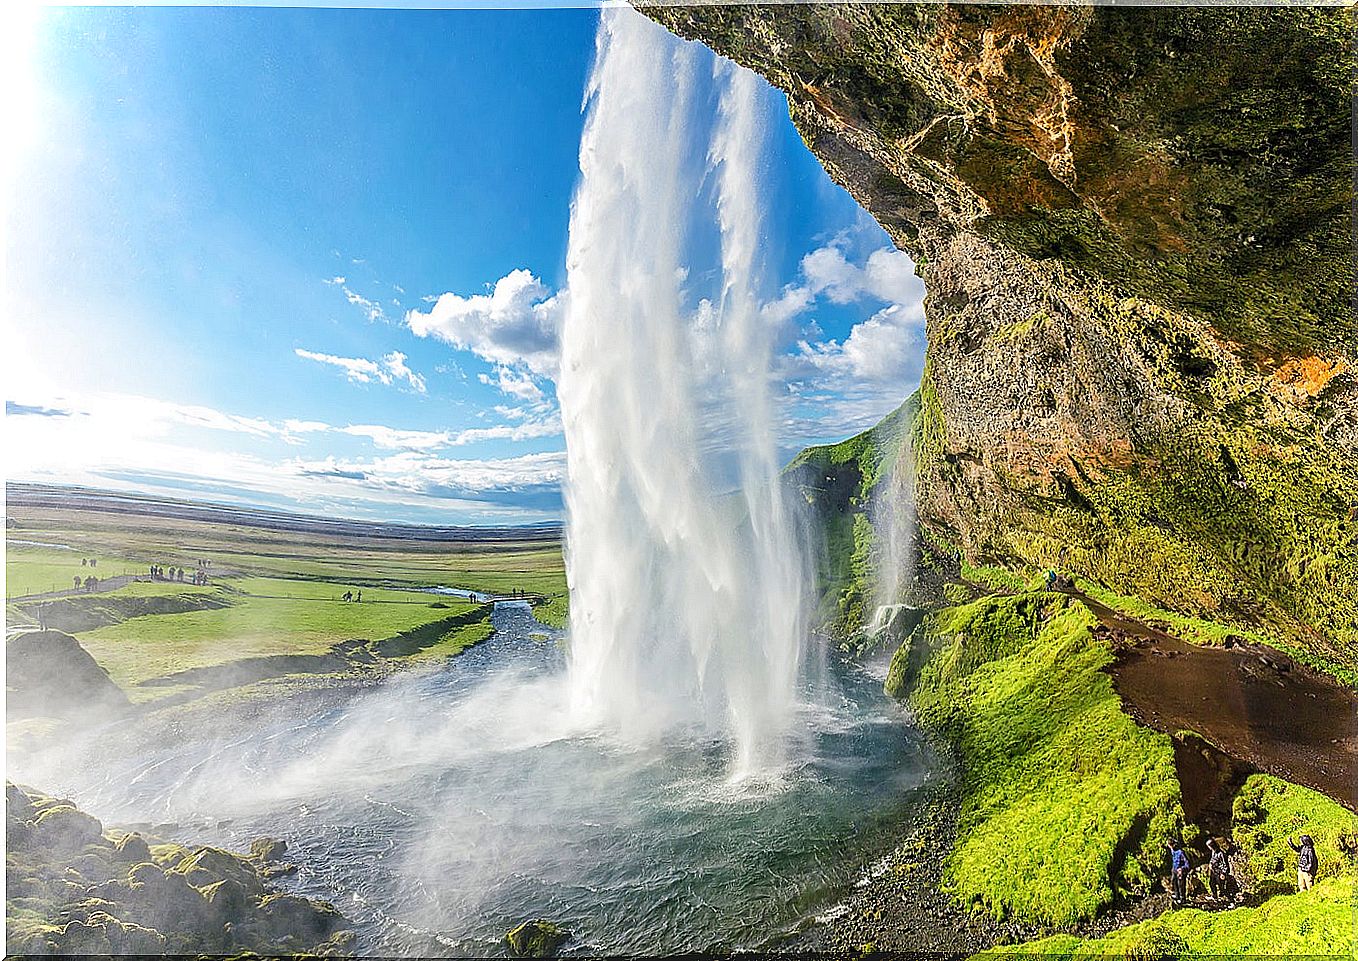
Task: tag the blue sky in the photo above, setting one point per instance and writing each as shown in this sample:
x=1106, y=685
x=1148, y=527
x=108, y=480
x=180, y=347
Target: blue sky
x=308, y=259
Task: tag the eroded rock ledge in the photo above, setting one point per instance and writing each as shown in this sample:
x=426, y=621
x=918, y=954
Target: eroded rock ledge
x=1134, y=226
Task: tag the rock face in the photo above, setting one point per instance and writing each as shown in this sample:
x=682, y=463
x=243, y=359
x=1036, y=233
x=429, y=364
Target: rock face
x=1134, y=228
x=49, y=673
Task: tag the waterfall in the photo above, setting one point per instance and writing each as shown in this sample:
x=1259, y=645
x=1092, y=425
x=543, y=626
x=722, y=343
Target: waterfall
x=892, y=512
x=686, y=596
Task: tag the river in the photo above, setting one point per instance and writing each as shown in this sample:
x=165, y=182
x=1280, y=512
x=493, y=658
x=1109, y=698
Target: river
x=439, y=808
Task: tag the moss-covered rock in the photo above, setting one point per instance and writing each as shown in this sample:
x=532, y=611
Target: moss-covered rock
x=71, y=889
x=133, y=848
x=268, y=850
x=536, y=939
x=206, y=866
x=65, y=830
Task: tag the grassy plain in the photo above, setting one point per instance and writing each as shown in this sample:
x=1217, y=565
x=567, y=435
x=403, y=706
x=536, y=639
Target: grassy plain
x=272, y=593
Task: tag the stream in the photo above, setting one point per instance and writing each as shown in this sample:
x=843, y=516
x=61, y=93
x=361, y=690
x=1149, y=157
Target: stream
x=440, y=808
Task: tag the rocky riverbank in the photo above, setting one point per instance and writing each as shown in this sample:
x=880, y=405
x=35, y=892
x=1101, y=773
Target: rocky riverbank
x=76, y=887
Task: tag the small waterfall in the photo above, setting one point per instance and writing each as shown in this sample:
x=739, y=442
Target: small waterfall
x=892, y=512
x=686, y=598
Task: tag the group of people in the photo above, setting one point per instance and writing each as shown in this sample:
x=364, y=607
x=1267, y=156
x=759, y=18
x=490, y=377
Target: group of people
x=355, y=596
x=1221, y=880
x=90, y=583
x=160, y=573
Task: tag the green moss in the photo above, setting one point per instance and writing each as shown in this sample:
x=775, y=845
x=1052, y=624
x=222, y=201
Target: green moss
x=838, y=482
x=1314, y=923
x=1268, y=811
x=536, y=939
x=1066, y=800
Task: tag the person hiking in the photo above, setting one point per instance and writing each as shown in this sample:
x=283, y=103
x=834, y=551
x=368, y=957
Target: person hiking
x=1051, y=579
x=1178, y=873
x=1219, y=877
x=1307, y=863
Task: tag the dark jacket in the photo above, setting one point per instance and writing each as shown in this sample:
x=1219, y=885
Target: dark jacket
x=1220, y=863
x=1306, y=857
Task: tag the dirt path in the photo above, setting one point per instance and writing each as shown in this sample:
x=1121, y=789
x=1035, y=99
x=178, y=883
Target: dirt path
x=1258, y=706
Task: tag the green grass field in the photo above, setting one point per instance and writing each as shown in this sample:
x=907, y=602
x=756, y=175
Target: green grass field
x=271, y=593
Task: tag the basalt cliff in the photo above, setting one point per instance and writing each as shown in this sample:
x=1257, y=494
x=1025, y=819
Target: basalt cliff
x=1135, y=229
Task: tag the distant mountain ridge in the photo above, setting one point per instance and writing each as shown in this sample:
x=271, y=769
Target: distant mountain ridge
x=82, y=498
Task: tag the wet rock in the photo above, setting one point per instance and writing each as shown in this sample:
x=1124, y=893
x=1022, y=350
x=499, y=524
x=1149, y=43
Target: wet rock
x=71, y=890
x=226, y=903
x=272, y=871
x=267, y=850
x=536, y=939
x=17, y=803
x=288, y=914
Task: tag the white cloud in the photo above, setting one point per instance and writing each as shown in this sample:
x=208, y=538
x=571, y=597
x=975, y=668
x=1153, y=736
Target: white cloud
x=127, y=442
x=544, y=427
x=391, y=369
x=371, y=308
x=394, y=438
x=395, y=363
x=516, y=323
x=888, y=275
x=514, y=383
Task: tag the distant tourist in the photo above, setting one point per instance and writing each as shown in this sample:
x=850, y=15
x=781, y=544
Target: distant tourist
x=1307, y=863
x=1219, y=877
x=359, y=597
x=1178, y=873
x=347, y=596
x=84, y=562
x=1051, y=579
x=77, y=582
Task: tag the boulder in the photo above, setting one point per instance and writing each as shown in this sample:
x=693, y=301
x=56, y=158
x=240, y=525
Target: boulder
x=18, y=805
x=227, y=903
x=267, y=850
x=133, y=849
x=206, y=866
x=536, y=939
x=48, y=673
x=157, y=899
x=288, y=914
x=63, y=829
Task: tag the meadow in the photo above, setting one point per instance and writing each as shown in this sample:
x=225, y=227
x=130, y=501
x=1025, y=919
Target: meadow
x=271, y=594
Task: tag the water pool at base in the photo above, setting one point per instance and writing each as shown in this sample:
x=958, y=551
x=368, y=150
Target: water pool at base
x=437, y=810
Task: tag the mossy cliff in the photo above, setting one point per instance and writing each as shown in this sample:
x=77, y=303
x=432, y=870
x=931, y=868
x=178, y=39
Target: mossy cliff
x=1134, y=227
x=1066, y=802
